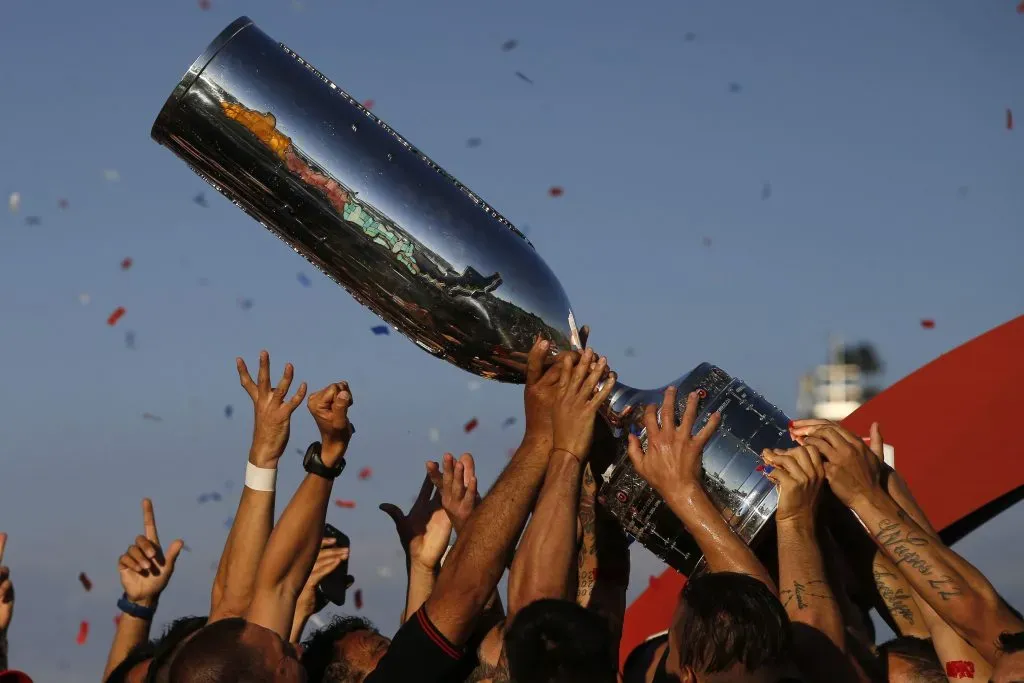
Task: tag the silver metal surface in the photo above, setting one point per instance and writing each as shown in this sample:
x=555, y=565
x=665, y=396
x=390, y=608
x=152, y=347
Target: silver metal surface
x=410, y=242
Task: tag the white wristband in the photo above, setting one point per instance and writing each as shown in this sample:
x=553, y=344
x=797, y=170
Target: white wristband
x=260, y=478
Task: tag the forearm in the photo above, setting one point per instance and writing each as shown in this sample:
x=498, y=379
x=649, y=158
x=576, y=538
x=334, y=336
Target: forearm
x=418, y=589
x=130, y=632
x=3, y=655
x=897, y=597
x=955, y=653
x=722, y=548
x=477, y=561
x=236, y=573
x=977, y=615
x=804, y=588
x=545, y=556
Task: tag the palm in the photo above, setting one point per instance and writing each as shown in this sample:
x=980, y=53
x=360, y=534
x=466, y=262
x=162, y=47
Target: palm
x=137, y=587
x=425, y=531
x=430, y=539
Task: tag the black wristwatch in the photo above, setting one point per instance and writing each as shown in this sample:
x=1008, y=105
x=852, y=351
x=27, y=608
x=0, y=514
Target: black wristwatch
x=314, y=464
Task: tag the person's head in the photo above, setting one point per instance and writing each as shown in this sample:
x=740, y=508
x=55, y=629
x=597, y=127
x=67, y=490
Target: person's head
x=344, y=651
x=135, y=666
x=167, y=646
x=236, y=651
x=557, y=641
x=728, y=628
x=911, y=660
x=1010, y=664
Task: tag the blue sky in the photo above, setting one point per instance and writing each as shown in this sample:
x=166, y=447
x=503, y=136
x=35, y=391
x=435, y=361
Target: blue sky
x=866, y=118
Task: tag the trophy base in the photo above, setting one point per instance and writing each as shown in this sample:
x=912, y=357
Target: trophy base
x=733, y=470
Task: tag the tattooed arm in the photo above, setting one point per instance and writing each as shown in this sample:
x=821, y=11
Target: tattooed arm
x=897, y=597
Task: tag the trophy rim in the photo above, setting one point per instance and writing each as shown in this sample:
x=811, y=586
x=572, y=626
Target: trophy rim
x=201, y=62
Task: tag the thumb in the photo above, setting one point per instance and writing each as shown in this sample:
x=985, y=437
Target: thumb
x=636, y=454
x=877, y=443
x=393, y=512
x=172, y=553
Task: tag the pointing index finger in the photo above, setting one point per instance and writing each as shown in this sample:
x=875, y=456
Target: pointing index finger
x=3, y=545
x=149, y=521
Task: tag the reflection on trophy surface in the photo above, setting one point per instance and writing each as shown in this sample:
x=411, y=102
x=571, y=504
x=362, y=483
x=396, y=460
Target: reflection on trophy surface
x=434, y=260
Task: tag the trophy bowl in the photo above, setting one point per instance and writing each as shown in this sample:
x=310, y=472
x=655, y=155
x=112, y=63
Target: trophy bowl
x=434, y=260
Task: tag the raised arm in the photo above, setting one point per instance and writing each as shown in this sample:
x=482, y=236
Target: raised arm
x=6, y=602
x=672, y=465
x=254, y=519
x=957, y=592
x=477, y=561
x=309, y=602
x=295, y=541
x=542, y=564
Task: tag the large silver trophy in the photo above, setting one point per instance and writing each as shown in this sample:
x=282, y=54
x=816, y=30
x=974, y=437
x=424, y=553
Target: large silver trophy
x=418, y=248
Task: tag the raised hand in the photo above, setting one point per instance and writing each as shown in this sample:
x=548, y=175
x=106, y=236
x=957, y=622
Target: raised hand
x=457, y=485
x=425, y=531
x=145, y=568
x=329, y=408
x=272, y=413
x=673, y=455
x=329, y=559
x=799, y=474
x=542, y=387
x=577, y=401
x=852, y=469
x=6, y=591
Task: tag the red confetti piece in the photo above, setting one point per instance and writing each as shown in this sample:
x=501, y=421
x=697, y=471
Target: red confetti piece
x=1009, y=119
x=927, y=323
x=471, y=425
x=359, y=598
x=126, y=264
x=63, y=203
x=960, y=669
x=556, y=191
x=86, y=583
x=348, y=504
x=1020, y=8
x=368, y=104
x=706, y=241
x=205, y=4
x=365, y=473
x=116, y=315
x=83, y=633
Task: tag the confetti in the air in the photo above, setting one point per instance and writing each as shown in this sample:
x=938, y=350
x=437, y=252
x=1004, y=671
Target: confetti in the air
x=365, y=473
x=384, y=572
x=509, y=421
x=84, y=299
x=347, y=504
x=205, y=4
x=473, y=385
x=359, y=598
x=63, y=204
x=111, y=175
x=116, y=315
x=766, y=191
x=151, y=416
x=33, y=220
x=509, y=45
x=1009, y=119
x=228, y=411
x=524, y=77
x=471, y=425
x=963, y=191
x=1020, y=7
x=129, y=339
x=735, y=88
x=434, y=435
x=214, y=497
x=556, y=191
x=927, y=323
x=126, y=263
x=474, y=142
x=689, y=36
x=244, y=304
x=630, y=352
x=14, y=202
x=200, y=199
x=706, y=241
x=368, y=104
x=304, y=281
x=83, y=633
x=84, y=580
x=380, y=330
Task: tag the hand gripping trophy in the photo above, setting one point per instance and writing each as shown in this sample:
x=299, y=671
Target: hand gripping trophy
x=422, y=251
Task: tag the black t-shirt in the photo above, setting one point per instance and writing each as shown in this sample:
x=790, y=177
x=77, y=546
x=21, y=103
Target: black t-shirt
x=418, y=652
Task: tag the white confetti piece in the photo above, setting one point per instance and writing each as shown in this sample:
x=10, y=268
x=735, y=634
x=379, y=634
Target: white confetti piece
x=434, y=434
x=111, y=175
x=473, y=385
x=84, y=299
x=384, y=572
x=14, y=202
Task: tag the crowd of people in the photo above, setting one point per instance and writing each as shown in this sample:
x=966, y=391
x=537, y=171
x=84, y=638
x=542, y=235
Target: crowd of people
x=847, y=537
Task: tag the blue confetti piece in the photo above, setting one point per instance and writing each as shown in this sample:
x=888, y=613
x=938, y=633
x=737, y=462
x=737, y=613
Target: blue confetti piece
x=228, y=411
x=304, y=281
x=203, y=498
x=228, y=522
x=509, y=421
x=380, y=330
x=215, y=497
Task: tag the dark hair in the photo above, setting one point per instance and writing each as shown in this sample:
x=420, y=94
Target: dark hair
x=138, y=654
x=557, y=641
x=217, y=655
x=919, y=653
x=166, y=646
x=728, y=619
x=318, y=651
x=1011, y=642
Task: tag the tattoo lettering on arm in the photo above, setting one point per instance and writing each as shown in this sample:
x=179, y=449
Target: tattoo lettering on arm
x=945, y=587
x=802, y=592
x=895, y=599
x=900, y=542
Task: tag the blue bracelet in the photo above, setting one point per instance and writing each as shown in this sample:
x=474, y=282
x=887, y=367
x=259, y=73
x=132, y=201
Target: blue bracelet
x=135, y=610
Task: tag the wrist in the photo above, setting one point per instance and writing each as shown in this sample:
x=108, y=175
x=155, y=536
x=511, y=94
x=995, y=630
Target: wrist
x=418, y=567
x=799, y=523
x=682, y=494
x=872, y=498
x=147, y=602
x=262, y=456
x=332, y=451
x=561, y=453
